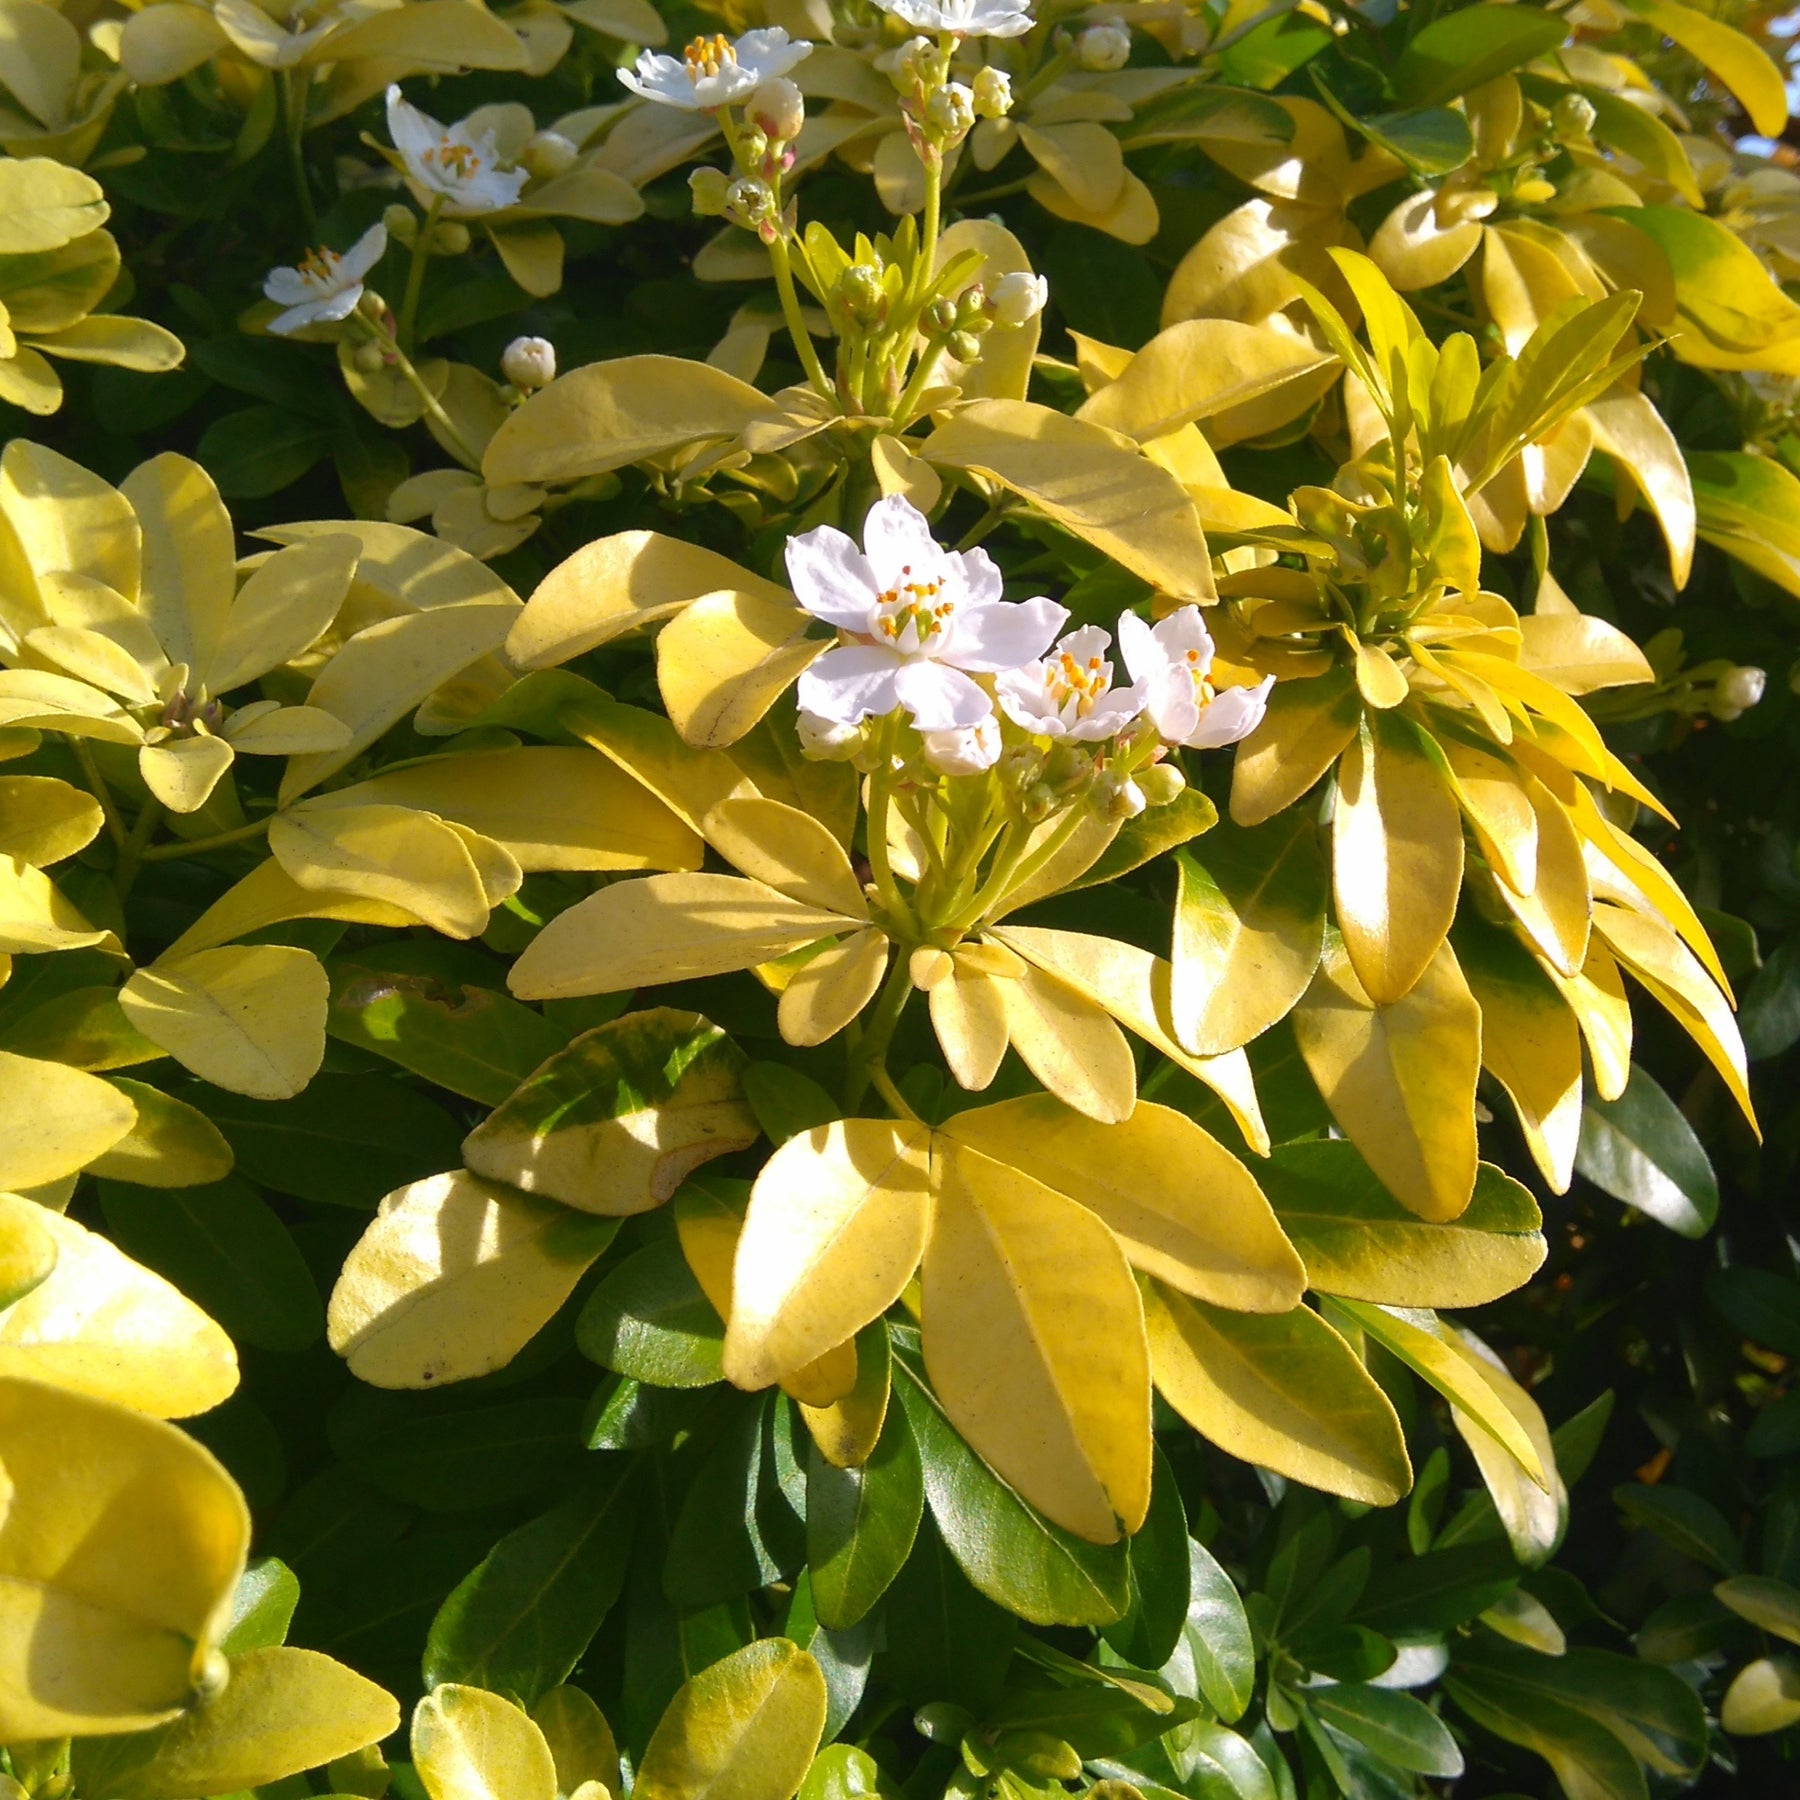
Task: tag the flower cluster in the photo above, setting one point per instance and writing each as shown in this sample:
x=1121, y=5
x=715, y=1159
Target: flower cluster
x=918, y=624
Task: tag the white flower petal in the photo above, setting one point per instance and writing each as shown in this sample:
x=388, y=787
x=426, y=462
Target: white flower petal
x=1137, y=644
x=849, y=683
x=1005, y=634
x=288, y=287
x=1233, y=715
x=981, y=574
x=365, y=253
x=295, y=317
x=939, y=698
x=897, y=537
x=831, y=578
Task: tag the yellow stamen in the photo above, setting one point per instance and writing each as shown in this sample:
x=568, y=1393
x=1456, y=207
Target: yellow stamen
x=707, y=56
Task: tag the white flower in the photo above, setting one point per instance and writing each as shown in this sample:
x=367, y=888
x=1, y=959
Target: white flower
x=1174, y=659
x=450, y=165
x=529, y=362
x=964, y=18
x=918, y=616
x=1069, y=694
x=1018, y=297
x=1103, y=47
x=713, y=72
x=326, y=286
x=967, y=750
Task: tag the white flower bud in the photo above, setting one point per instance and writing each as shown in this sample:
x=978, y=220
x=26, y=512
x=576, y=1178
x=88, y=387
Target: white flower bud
x=1017, y=297
x=1574, y=116
x=402, y=224
x=950, y=112
x=968, y=751
x=915, y=67
x=709, y=188
x=779, y=109
x=1118, y=796
x=1735, y=692
x=548, y=153
x=450, y=237
x=1104, y=47
x=825, y=740
x=993, y=93
x=1161, y=783
x=529, y=363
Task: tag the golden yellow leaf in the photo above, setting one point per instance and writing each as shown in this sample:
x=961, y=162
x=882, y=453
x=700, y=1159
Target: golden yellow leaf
x=744, y=1729
x=968, y=1014
x=1134, y=986
x=786, y=849
x=1070, y=1044
x=281, y=610
x=120, y=1549
x=1400, y=1079
x=1034, y=1341
x=105, y=1326
x=188, y=572
x=1597, y=998
x=468, y=1744
x=1182, y=1207
x=1396, y=857
x=453, y=1277
x=1086, y=480
x=171, y=1144
x=42, y=819
x=836, y=1225
x=35, y=916
x=1556, y=914
x=269, y=895
x=283, y=1711
x=27, y=1250
x=1580, y=653
x=183, y=773
x=1282, y=1390
x=250, y=1019
x=689, y=781
x=1001, y=372
x=1494, y=797
x=664, y=928
x=1307, y=727
x=67, y=519
x=1533, y=1516
x=826, y=993
x=723, y=661
x=847, y=1431
x=54, y=1120
x=393, y=854
x=581, y=1742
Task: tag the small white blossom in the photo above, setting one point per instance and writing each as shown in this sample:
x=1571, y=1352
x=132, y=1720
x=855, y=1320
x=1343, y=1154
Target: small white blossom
x=326, y=286
x=963, y=18
x=1174, y=659
x=715, y=71
x=1018, y=297
x=529, y=362
x=449, y=165
x=1103, y=47
x=968, y=750
x=1069, y=693
x=916, y=618
x=993, y=93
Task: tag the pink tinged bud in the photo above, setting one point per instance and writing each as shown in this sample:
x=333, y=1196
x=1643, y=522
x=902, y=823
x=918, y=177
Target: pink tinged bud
x=779, y=109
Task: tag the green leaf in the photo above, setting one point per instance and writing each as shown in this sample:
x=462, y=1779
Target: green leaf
x=476, y=1041
x=1266, y=56
x=1218, y=1636
x=262, y=1608
x=225, y=1248
x=1009, y=1552
x=261, y=450
x=1772, y=1605
x=1397, y=1728
x=1684, y=1521
x=1587, y=1759
x=1459, y=51
x=1437, y=1591
x=456, y=1461
x=1357, y=1241
x=648, y=1319
x=1764, y=1306
x=861, y=1523
x=347, y=1140
x=519, y=1622
x=944, y=1640
x=1160, y=1588
x=785, y=1102
x=716, y=1549
x=1640, y=1149
x=616, y=1122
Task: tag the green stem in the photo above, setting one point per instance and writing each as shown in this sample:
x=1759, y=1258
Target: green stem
x=988, y=522
x=415, y=274
x=241, y=834
x=790, y=311
x=903, y=410
x=868, y=1061
x=881, y=793
x=290, y=106
x=96, y=784
x=390, y=345
x=131, y=853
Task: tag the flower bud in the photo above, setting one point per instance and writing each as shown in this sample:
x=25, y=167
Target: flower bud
x=950, y=112
x=993, y=93
x=1574, y=116
x=548, y=153
x=968, y=751
x=368, y=358
x=1018, y=297
x=915, y=67
x=965, y=346
x=940, y=318
x=709, y=188
x=1736, y=691
x=749, y=201
x=1118, y=796
x=529, y=362
x=779, y=109
x=861, y=295
x=825, y=740
x=1160, y=783
x=1103, y=47
x=402, y=224
x=1038, y=803
x=450, y=237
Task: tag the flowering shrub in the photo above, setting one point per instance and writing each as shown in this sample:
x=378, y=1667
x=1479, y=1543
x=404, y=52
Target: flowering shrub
x=828, y=860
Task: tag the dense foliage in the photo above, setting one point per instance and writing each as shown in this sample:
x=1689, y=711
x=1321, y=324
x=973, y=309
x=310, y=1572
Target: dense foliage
x=1011, y=1013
